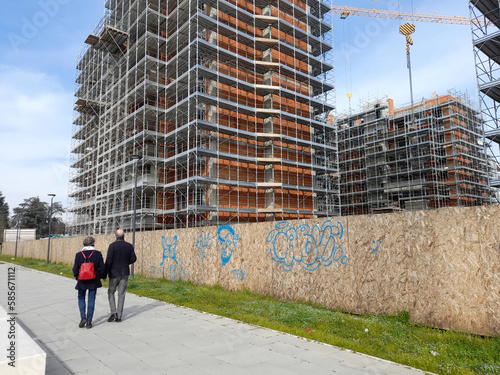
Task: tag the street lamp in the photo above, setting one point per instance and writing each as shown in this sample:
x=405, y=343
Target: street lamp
x=50, y=222
x=17, y=235
x=136, y=158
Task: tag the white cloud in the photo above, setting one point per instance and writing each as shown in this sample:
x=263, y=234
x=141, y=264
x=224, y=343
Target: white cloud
x=35, y=134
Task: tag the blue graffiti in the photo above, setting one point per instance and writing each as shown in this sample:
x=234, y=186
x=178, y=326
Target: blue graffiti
x=173, y=272
x=156, y=272
x=309, y=247
x=375, y=249
x=203, y=244
x=169, y=249
x=239, y=274
x=226, y=243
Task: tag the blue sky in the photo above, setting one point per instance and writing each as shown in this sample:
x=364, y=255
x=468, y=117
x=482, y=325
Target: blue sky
x=40, y=42
x=370, y=54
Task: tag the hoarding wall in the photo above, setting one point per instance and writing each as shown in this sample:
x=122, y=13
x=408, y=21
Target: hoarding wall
x=441, y=266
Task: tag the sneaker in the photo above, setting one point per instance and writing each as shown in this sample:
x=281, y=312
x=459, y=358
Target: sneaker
x=112, y=318
x=82, y=323
x=118, y=320
x=89, y=325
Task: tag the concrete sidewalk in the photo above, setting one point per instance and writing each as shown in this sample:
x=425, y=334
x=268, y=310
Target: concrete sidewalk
x=158, y=338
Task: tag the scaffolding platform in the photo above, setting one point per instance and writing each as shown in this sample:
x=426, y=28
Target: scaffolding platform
x=225, y=104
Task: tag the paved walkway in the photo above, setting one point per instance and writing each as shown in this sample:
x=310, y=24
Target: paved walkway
x=159, y=338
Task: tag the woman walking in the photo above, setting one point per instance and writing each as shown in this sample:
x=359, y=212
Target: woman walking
x=88, y=255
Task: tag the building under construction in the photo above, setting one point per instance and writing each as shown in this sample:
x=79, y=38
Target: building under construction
x=204, y=112
x=485, y=21
x=405, y=159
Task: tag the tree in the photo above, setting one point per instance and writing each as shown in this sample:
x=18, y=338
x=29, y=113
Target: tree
x=33, y=213
x=4, y=216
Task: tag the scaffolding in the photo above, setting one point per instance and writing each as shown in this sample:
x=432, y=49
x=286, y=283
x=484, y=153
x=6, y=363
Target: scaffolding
x=217, y=108
x=412, y=158
x=485, y=22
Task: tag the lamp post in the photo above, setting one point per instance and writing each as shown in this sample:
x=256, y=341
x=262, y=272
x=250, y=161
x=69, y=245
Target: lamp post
x=17, y=235
x=50, y=223
x=136, y=158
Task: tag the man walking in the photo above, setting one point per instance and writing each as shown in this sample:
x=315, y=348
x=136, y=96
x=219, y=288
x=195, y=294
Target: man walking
x=120, y=255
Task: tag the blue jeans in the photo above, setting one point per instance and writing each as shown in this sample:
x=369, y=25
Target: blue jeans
x=91, y=305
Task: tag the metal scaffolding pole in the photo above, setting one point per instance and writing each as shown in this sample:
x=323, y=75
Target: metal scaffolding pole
x=226, y=102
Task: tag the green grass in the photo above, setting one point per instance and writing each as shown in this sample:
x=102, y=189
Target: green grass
x=389, y=337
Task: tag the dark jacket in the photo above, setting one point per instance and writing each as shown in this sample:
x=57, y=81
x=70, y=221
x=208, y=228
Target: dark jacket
x=99, y=268
x=120, y=255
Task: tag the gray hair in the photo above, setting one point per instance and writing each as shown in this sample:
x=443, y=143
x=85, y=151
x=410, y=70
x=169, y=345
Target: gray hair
x=89, y=241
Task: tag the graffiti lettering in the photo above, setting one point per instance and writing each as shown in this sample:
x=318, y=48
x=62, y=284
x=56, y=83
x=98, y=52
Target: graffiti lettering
x=239, y=274
x=173, y=272
x=309, y=247
x=155, y=272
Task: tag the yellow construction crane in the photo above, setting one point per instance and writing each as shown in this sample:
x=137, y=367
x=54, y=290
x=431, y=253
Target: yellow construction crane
x=347, y=11
x=407, y=29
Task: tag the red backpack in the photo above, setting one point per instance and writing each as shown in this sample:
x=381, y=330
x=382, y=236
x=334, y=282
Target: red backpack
x=87, y=271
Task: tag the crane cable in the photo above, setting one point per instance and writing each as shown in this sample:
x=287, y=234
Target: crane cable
x=347, y=62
